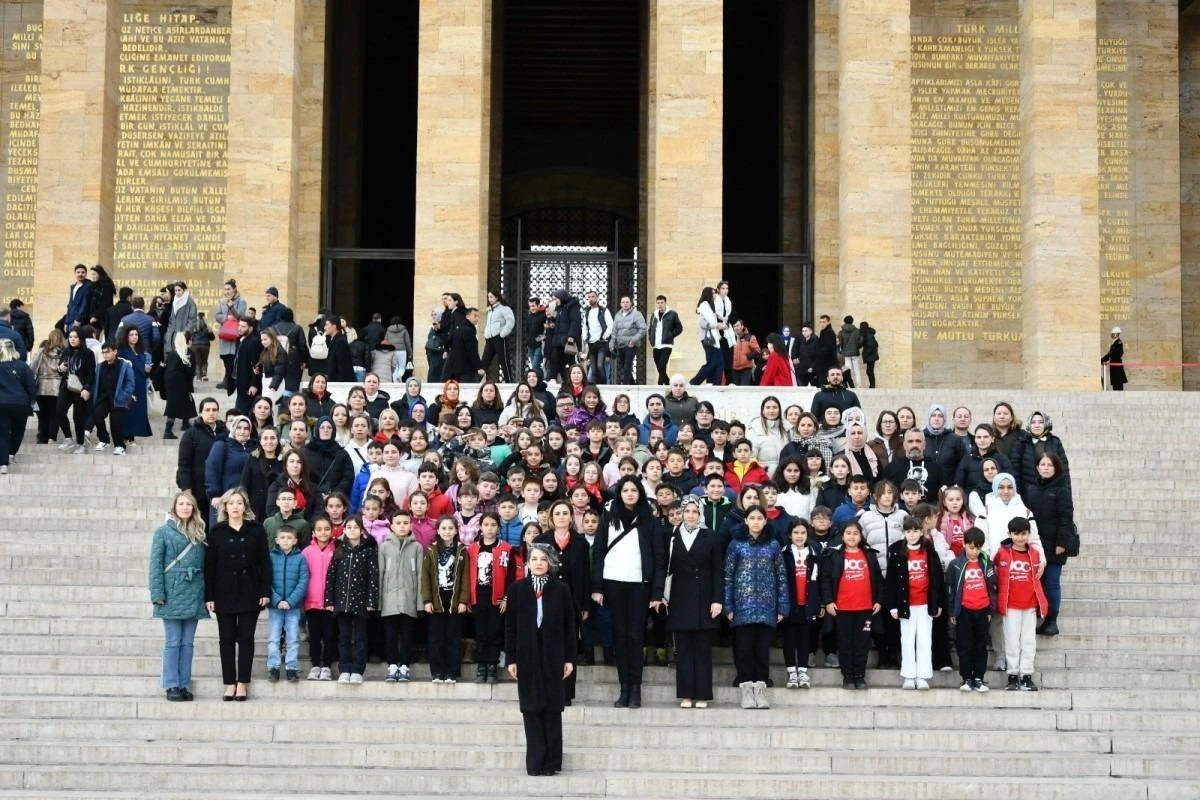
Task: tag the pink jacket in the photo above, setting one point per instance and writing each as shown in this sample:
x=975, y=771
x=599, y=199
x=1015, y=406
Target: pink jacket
x=378, y=528
x=318, y=568
x=424, y=530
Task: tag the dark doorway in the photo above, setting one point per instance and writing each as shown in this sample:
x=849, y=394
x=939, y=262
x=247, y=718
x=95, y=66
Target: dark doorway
x=370, y=161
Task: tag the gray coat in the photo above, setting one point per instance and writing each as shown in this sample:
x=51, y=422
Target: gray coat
x=628, y=328
x=500, y=322
x=182, y=588
x=400, y=576
x=182, y=320
x=238, y=310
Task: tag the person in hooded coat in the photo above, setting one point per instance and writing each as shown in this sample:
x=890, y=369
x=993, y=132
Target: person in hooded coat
x=329, y=464
x=179, y=384
x=539, y=646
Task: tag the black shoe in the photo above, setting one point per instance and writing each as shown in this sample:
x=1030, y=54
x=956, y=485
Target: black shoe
x=493, y=676
x=589, y=656
x=175, y=695
x=1049, y=626
x=292, y=676
x=610, y=657
x=186, y=695
x=635, y=696
x=623, y=699
x=480, y=673
x=859, y=683
x=1014, y=684
x=847, y=684
x=273, y=675
x=1027, y=684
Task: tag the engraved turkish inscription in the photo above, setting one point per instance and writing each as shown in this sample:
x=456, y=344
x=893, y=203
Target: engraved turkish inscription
x=1116, y=202
x=20, y=108
x=172, y=147
x=966, y=220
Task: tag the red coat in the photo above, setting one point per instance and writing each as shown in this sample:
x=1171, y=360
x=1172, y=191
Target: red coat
x=439, y=504
x=503, y=565
x=1003, y=561
x=778, y=371
x=755, y=474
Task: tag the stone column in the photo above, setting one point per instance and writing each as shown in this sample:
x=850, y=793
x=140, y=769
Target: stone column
x=824, y=163
x=795, y=157
x=454, y=76
x=305, y=285
x=77, y=147
x=684, y=162
x=1060, y=213
x=263, y=194
x=1189, y=185
x=875, y=178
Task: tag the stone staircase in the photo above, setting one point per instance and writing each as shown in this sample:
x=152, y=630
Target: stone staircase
x=1118, y=716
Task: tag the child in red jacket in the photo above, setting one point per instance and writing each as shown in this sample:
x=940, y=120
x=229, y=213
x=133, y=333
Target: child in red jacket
x=744, y=468
x=1020, y=600
x=778, y=370
x=490, y=568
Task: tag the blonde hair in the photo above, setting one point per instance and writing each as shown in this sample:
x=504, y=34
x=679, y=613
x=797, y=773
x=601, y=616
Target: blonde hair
x=8, y=350
x=225, y=498
x=192, y=528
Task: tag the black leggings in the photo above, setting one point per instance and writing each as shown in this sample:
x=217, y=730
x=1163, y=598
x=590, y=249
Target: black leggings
x=662, y=355
x=796, y=639
x=47, y=414
x=854, y=642
x=489, y=633
x=398, y=636
x=628, y=603
x=236, y=633
x=77, y=407
x=322, y=637
x=352, y=643
x=752, y=651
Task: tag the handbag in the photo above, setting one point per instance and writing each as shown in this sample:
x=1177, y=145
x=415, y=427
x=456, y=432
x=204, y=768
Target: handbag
x=74, y=384
x=229, y=329
x=179, y=557
x=570, y=348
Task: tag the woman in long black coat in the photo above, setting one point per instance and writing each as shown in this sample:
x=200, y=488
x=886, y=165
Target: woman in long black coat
x=462, y=355
x=237, y=586
x=574, y=557
x=539, y=643
x=179, y=384
x=1049, y=498
x=695, y=569
x=339, y=364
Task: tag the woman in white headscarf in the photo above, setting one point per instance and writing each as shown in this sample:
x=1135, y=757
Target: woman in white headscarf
x=183, y=315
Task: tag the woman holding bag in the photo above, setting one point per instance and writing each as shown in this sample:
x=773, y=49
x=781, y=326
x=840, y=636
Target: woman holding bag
x=231, y=309
x=177, y=590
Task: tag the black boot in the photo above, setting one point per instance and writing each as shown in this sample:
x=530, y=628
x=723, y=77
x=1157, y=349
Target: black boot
x=491, y=674
x=481, y=673
x=589, y=656
x=169, y=433
x=610, y=657
x=1049, y=626
x=635, y=696
x=623, y=700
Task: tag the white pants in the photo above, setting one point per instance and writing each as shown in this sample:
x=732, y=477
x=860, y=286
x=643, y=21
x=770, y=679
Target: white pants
x=996, y=629
x=853, y=365
x=916, y=644
x=1020, y=640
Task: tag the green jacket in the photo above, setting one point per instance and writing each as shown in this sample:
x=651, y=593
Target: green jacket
x=180, y=589
x=429, y=579
x=303, y=530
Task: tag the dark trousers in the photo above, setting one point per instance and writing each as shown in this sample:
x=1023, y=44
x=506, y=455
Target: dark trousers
x=658, y=628
x=103, y=411
x=796, y=639
x=437, y=360
x=398, y=637
x=854, y=642
x=489, y=633
x=47, y=414
x=662, y=355
x=200, y=359
x=752, y=651
x=228, y=363
x=543, y=741
x=322, y=637
x=743, y=377
x=870, y=373
x=887, y=641
x=71, y=403
x=693, y=665
x=352, y=643
x=236, y=634
x=972, y=637
x=822, y=635
x=597, y=626
x=445, y=645
x=598, y=358
x=713, y=366
x=624, y=359
x=556, y=364
x=727, y=361
x=12, y=429
x=628, y=603
x=495, y=348
x=941, y=641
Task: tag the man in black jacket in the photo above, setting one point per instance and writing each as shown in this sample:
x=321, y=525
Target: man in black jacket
x=118, y=312
x=664, y=327
x=194, y=446
x=834, y=393
x=535, y=334
x=21, y=322
x=825, y=352
x=913, y=465
x=247, y=375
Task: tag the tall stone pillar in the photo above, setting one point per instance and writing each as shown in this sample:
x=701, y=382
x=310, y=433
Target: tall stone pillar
x=823, y=200
x=77, y=152
x=1060, y=212
x=875, y=178
x=684, y=163
x=263, y=194
x=454, y=97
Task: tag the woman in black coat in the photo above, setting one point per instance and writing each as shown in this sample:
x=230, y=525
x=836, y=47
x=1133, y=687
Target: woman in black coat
x=539, y=643
x=462, y=352
x=695, y=568
x=178, y=384
x=574, y=568
x=1049, y=498
x=329, y=465
x=628, y=573
x=261, y=470
x=339, y=365
x=237, y=586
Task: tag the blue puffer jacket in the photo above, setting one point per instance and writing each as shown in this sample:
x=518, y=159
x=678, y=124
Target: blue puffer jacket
x=181, y=590
x=289, y=577
x=755, y=582
x=223, y=468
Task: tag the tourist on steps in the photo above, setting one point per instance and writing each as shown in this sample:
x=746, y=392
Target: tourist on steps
x=177, y=555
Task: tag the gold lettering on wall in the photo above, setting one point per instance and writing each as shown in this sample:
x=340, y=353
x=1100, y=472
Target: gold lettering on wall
x=20, y=109
x=1113, y=78
x=172, y=148
x=966, y=220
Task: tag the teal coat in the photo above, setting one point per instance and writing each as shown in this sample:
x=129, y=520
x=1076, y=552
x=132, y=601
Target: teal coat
x=183, y=587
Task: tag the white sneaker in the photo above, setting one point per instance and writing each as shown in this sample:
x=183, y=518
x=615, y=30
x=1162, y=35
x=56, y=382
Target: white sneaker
x=4, y=470
x=393, y=673
x=792, y=682
x=314, y=674
x=344, y=677
x=909, y=683
x=118, y=451
x=802, y=680
x=922, y=684
x=946, y=668
x=980, y=686
x=966, y=686
x=403, y=675
x=326, y=674
x=100, y=448
x=69, y=444
x=80, y=450
x=437, y=680
x=831, y=661
x=355, y=677
x=450, y=679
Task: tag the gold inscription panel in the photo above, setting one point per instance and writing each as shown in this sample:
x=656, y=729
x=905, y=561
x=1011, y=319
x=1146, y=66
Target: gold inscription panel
x=172, y=147
x=20, y=108
x=966, y=220
x=1113, y=81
